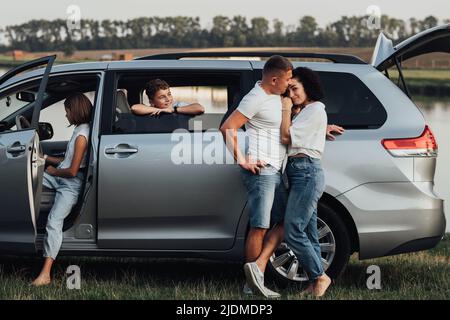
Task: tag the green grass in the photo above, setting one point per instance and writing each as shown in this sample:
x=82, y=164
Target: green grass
x=421, y=275
x=418, y=77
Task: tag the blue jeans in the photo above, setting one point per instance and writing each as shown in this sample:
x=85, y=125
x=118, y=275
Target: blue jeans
x=307, y=183
x=264, y=209
x=67, y=191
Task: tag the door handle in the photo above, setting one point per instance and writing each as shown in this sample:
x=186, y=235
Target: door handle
x=16, y=149
x=120, y=150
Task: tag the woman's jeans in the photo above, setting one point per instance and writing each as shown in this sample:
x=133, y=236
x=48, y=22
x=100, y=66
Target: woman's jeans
x=307, y=183
x=67, y=191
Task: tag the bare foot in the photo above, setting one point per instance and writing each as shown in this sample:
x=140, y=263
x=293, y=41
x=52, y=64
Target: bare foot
x=42, y=280
x=321, y=285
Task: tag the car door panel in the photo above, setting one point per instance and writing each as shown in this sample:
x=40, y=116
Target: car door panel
x=148, y=202
x=21, y=172
x=19, y=169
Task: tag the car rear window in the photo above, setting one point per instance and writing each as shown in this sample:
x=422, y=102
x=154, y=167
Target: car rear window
x=349, y=103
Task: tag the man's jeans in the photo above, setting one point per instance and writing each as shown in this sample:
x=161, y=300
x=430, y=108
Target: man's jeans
x=307, y=183
x=261, y=190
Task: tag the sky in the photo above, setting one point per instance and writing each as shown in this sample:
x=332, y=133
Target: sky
x=289, y=11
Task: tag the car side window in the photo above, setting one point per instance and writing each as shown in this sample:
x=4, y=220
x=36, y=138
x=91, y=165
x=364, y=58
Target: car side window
x=13, y=102
x=211, y=92
x=350, y=103
x=214, y=100
x=55, y=114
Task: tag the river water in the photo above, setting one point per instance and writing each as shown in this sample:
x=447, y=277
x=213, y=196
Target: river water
x=436, y=111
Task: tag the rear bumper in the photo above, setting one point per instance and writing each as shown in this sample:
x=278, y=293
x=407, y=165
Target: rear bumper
x=397, y=217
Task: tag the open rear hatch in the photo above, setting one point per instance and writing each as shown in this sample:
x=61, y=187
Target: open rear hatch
x=386, y=55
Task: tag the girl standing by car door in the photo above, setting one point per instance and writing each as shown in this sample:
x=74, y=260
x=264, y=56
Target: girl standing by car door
x=66, y=179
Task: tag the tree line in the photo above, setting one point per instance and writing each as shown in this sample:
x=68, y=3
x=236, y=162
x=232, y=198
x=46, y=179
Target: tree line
x=183, y=31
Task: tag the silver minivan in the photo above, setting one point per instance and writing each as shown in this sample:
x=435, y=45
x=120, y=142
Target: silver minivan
x=137, y=201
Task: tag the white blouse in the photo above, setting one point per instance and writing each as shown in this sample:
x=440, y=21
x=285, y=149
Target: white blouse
x=308, y=131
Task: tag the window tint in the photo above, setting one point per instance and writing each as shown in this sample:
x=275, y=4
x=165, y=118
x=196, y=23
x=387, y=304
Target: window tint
x=350, y=103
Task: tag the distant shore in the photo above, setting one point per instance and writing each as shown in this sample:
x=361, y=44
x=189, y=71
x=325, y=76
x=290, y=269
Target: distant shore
x=426, y=75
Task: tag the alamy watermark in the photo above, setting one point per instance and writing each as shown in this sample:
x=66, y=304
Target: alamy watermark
x=73, y=18
x=374, y=279
x=208, y=147
x=373, y=22
x=74, y=278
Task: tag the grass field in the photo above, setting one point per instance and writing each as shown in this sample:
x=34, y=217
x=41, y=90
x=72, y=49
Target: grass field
x=421, y=275
x=418, y=77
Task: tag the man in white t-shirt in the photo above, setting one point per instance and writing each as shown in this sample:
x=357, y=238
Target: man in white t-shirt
x=260, y=111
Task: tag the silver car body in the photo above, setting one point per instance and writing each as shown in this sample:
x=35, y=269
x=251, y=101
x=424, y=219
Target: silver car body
x=388, y=203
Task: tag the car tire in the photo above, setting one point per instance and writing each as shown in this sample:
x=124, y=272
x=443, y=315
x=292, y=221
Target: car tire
x=335, y=234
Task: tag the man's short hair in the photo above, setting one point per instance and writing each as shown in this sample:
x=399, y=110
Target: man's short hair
x=153, y=86
x=277, y=64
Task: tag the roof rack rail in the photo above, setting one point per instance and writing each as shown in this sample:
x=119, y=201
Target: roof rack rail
x=334, y=57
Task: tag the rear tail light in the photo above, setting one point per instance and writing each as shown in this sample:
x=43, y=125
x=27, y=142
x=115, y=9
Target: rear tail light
x=423, y=146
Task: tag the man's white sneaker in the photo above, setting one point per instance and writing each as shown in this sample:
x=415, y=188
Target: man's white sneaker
x=272, y=294
x=255, y=279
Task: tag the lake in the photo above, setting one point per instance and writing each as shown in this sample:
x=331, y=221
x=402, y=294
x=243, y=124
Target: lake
x=436, y=111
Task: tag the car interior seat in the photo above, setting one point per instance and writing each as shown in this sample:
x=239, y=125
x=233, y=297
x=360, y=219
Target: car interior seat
x=122, y=105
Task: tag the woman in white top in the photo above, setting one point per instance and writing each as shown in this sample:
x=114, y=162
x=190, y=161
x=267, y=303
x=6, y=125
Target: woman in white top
x=303, y=130
x=66, y=179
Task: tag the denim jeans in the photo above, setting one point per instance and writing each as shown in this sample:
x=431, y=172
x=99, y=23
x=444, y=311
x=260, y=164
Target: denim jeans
x=307, y=183
x=264, y=209
x=67, y=191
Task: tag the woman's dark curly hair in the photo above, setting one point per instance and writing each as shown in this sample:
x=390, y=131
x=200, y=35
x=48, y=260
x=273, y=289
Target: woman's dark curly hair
x=310, y=81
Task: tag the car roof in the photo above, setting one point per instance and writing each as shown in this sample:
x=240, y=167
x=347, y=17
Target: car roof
x=62, y=68
x=194, y=64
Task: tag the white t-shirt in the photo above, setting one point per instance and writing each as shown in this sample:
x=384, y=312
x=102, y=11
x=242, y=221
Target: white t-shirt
x=82, y=129
x=263, y=128
x=308, y=131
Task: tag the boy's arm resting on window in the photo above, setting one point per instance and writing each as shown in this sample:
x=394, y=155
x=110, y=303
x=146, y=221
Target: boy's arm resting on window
x=192, y=109
x=142, y=110
x=79, y=151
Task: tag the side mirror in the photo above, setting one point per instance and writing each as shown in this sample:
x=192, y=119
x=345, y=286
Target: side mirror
x=25, y=96
x=45, y=131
